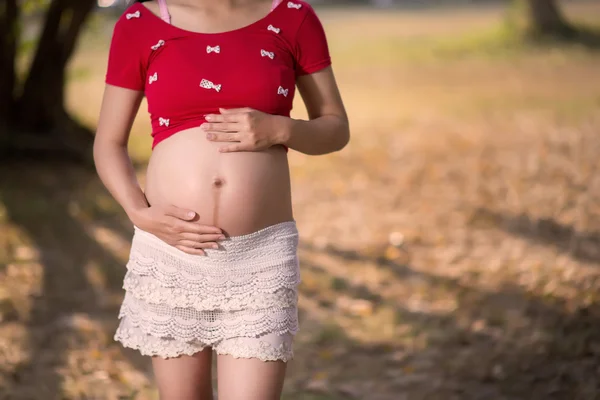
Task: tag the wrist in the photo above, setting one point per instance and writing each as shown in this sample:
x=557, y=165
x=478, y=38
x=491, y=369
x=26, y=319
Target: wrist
x=284, y=130
x=136, y=215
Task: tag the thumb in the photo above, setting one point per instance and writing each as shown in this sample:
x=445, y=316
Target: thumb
x=181, y=213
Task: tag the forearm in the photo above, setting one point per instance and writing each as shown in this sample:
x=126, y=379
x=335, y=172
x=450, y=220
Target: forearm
x=322, y=135
x=116, y=172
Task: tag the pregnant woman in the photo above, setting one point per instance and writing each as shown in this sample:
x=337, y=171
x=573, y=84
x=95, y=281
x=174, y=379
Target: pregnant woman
x=213, y=262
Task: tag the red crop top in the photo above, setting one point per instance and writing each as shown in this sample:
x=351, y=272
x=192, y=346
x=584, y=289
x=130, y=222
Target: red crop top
x=186, y=75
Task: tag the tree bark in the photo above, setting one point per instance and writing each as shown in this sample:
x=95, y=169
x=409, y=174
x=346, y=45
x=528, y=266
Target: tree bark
x=546, y=18
x=9, y=34
x=42, y=121
x=42, y=105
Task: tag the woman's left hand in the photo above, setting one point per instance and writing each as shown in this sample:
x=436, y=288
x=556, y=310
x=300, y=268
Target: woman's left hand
x=249, y=129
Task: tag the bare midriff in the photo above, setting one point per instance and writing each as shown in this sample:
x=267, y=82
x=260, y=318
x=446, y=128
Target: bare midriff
x=239, y=192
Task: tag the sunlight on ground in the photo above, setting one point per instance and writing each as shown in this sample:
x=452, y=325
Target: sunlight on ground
x=451, y=249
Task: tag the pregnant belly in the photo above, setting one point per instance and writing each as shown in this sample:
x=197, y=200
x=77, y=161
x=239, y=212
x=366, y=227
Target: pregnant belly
x=238, y=192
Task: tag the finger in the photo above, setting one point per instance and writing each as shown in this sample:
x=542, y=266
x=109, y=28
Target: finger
x=235, y=147
x=221, y=118
x=194, y=227
x=220, y=127
x=215, y=136
x=199, y=238
x=235, y=110
x=189, y=250
x=180, y=213
x=197, y=245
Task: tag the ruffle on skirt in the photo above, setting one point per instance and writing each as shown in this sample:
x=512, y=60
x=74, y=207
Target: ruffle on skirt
x=240, y=299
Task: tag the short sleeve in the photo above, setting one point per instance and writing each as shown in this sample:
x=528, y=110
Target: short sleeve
x=126, y=66
x=312, y=49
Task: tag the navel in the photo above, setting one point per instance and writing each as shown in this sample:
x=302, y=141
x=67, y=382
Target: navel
x=218, y=182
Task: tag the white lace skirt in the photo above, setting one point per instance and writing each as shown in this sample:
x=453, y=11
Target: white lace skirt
x=240, y=299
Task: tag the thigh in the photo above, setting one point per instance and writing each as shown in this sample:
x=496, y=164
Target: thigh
x=249, y=378
x=249, y=369
x=184, y=377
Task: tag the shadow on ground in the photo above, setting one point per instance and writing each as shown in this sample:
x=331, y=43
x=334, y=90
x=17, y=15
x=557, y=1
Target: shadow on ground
x=45, y=202
x=584, y=247
x=505, y=343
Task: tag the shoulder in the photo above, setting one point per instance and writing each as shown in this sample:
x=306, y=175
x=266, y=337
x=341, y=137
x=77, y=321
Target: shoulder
x=297, y=9
x=135, y=19
x=300, y=5
x=307, y=10
x=304, y=18
x=307, y=19
x=293, y=10
x=136, y=28
x=294, y=15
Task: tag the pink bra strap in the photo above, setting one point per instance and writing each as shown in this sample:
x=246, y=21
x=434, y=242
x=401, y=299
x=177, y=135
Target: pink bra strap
x=274, y=5
x=164, y=11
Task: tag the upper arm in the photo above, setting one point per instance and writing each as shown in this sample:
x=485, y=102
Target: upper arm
x=125, y=80
x=321, y=94
x=314, y=75
x=118, y=111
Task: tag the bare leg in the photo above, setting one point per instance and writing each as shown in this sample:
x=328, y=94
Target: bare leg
x=250, y=378
x=185, y=377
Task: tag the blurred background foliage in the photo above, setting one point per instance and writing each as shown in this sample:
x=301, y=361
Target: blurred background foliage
x=32, y=106
x=451, y=251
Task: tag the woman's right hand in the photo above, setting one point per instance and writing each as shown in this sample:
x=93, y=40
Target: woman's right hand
x=179, y=228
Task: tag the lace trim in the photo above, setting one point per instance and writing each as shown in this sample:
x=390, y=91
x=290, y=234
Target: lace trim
x=263, y=262
x=256, y=348
x=218, y=262
x=270, y=243
x=149, y=345
x=215, y=280
x=208, y=326
x=148, y=290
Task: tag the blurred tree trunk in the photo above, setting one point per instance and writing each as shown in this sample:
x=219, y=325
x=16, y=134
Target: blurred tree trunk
x=8, y=50
x=546, y=18
x=39, y=120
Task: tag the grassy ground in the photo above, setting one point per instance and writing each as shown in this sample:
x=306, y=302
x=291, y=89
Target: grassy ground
x=452, y=251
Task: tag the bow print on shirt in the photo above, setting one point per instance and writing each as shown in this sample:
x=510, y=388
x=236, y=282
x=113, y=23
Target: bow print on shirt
x=216, y=49
x=133, y=15
x=206, y=84
x=157, y=45
x=272, y=28
x=294, y=5
x=269, y=54
x=282, y=91
x=153, y=78
x=163, y=121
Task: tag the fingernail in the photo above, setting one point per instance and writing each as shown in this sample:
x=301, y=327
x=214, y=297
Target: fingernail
x=215, y=246
x=210, y=136
x=191, y=214
x=222, y=237
x=208, y=117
